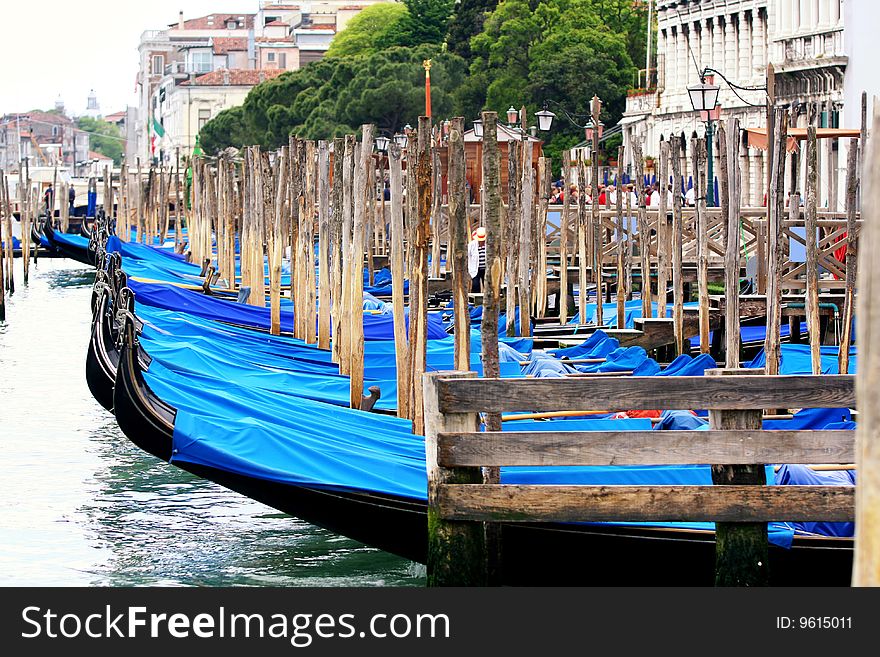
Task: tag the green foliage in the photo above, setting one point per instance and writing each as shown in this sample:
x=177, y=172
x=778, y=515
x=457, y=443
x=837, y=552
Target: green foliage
x=371, y=30
x=467, y=23
x=104, y=138
x=426, y=22
x=336, y=95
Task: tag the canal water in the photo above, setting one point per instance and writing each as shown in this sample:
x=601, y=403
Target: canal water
x=80, y=505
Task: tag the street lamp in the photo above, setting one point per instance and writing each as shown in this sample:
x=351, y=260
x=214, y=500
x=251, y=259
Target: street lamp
x=704, y=98
x=589, y=129
x=512, y=115
x=478, y=129
x=400, y=139
x=382, y=143
x=545, y=119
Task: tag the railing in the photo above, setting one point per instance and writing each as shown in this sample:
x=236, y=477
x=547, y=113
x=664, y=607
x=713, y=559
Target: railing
x=459, y=501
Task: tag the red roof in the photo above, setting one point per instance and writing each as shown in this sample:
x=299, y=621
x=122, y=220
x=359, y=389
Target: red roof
x=276, y=23
x=115, y=117
x=98, y=156
x=327, y=26
x=223, y=45
x=237, y=77
x=217, y=22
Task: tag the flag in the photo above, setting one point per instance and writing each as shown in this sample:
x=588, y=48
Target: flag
x=157, y=132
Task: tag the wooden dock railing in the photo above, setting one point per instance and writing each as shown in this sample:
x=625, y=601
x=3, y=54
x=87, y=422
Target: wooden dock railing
x=739, y=502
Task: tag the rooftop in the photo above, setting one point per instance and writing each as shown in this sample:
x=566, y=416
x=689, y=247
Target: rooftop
x=217, y=22
x=223, y=45
x=235, y=77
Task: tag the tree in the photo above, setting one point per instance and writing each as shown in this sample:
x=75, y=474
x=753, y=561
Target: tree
x=369, y=31
x=426, y=22
x=104, y=138
x=226, y=129
x=467, y=23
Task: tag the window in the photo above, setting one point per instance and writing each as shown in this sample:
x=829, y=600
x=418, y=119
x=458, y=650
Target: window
x=201, y=62
x=204, y=117
x=231, y=25
x=158, y=64
x=270, y=57
x=282, y=60
x=54, y=130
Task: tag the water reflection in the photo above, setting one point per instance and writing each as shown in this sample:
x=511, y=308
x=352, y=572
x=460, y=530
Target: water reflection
x=81, y=505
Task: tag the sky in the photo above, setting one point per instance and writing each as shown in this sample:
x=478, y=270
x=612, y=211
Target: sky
x=67, y=47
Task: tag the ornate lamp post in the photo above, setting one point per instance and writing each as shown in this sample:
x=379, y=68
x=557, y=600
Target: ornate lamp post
x=704, y=98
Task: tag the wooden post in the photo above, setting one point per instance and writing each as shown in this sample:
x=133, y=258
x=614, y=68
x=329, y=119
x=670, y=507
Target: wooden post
x=342, y=330
x=678, y=293
x=336, y=250
x=27, y=203
x=544, y=169
x=583, y=256
x=741, y=549
x=812, y=264
x=323, y=245
x=3, y=186
x=699, y=155
x=866, y=562
x=775, y=217
x=562, y=303
x=492, y=295
x=852, y=190
x=732, y=254
x=526, y=209
x=361, y=197
x=310, y=296
x=456, y=549
x=401, y=348
x=644, y=232
x=6, y=233
x=418, y=309
x=457, y=253
x=598, y=232
x=621, y=245
x=663, y=231
x=513, y=225
x=437, y=217
x=276, y=246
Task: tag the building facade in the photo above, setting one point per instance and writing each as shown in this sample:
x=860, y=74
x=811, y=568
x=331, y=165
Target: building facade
x=805, y=42
x=196, y=68
x=42, y=139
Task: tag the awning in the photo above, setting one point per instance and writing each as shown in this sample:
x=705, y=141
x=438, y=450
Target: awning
x=758, y=136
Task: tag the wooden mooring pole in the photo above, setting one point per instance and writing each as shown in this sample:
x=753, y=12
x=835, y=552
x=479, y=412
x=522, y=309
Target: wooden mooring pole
x=812, y=264
x=398, y=269
x=852, y=192
x=457, y=253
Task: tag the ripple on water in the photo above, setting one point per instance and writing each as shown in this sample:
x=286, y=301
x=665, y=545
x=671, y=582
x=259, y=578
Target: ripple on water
x=81, y=505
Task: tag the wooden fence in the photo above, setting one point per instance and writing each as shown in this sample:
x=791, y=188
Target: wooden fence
x=459, y=501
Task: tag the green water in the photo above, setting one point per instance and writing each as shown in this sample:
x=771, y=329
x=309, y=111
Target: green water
x=82, y=506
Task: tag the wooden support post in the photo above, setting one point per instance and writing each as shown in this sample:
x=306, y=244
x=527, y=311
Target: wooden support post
x=3, y=186
x=544, y=168
x=323, y=245
x=342, y=330
x=852, y=190
x=699, y=155
x=337, y=253
x=526, y=210
x=27, y=204
x=492, y=295
x=418, y=309
x=437, y=217
x=562, y=302
x=598, y=232
x=401, y=347
x=866, y=562
x=678, y=293
x=732, y=252
x=582, y=255
x=513, y=225
x=644, y=232
x=741, y=549
x=621, y=245
x=775, y=219
x=663, y=231
x=812, y=264
x=310, y=326
x=6, y=233
x=276, y=246
x=456, y=549
x=362, y=195
x=457, y=252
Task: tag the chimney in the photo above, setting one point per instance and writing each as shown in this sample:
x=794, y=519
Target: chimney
x=180, y=20
x=226, y=77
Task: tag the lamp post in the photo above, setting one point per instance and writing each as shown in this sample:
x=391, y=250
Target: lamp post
x=704, y=98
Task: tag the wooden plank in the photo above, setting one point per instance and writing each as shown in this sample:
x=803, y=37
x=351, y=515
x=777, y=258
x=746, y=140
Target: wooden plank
x=536, y=503
x=731, y=256
x=552, y=448
x=852, y=190
x=812, y=263
x=682, y=392
x=664, y=232
x=866, y=562
x=456, y=551
x=741, y=549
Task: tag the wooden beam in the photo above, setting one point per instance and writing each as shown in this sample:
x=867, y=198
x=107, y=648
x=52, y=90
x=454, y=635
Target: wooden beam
x=682, y=392
x=559, y=448
x=539, y=503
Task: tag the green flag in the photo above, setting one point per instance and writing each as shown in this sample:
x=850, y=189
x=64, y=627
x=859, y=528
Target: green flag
x=157, y=128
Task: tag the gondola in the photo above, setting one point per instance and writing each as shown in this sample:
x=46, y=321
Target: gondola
x=590, y=554
x=71, y=246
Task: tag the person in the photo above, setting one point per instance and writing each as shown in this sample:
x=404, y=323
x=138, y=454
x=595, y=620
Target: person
x=602, y=195
x=48, y=197
x=71, y=197
x=477, y=259
x=690, y=197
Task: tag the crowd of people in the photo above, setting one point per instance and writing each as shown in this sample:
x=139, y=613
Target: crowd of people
x=608, y=195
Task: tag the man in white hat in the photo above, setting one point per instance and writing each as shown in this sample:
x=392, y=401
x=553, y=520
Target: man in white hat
x=477, y=259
